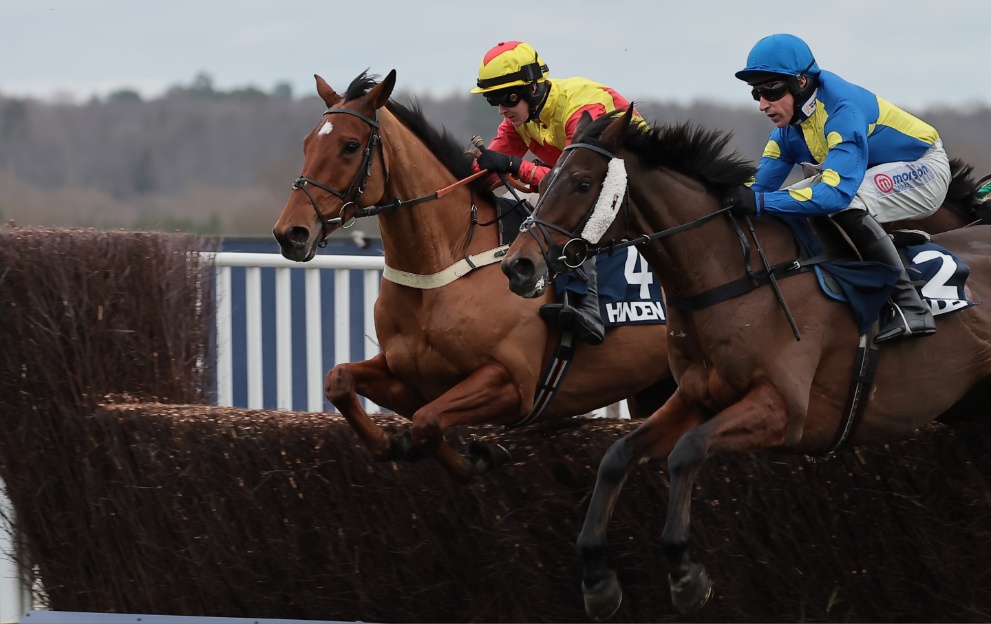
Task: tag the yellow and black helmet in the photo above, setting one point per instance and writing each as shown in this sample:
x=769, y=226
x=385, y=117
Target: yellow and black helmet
x=510, y=64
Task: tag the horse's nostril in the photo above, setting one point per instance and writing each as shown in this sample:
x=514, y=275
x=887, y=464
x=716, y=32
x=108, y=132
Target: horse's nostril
x=523, y=268
x=298, y=235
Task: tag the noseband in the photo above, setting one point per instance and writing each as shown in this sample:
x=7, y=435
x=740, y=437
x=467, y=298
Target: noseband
x=568, y=257
x=357, y=186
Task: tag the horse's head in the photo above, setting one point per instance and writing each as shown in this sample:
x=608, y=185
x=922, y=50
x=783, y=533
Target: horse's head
x=343, y=169
x=578, y=203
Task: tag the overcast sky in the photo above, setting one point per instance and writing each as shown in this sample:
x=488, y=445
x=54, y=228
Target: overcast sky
x=913, y=53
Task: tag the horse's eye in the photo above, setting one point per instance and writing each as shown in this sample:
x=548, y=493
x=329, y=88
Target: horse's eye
x=584, y=186
x=351, y=147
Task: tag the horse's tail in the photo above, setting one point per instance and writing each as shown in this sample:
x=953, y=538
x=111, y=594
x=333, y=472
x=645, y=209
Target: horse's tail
x=962, y=193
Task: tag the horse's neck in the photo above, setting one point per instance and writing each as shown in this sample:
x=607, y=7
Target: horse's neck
x=696, y=259
x=427, y=237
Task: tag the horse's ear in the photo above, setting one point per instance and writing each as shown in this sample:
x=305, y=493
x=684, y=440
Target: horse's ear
x=583, y=122
x=611, y=135
x=328, y=95
x=379, y=94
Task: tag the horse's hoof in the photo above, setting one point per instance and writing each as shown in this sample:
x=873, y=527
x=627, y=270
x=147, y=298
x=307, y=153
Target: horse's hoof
x=691, y=592
x=402, y=448
x=492, y=455
x=602, y=601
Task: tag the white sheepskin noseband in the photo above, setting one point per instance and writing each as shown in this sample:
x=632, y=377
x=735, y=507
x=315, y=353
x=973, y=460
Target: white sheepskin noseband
x=610, y=199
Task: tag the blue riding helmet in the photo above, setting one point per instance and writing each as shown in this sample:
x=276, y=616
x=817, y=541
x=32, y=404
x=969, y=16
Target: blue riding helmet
x=786, y=57
x=777, y=55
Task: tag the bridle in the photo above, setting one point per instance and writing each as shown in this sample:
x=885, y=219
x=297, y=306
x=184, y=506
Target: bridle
x=357, y=186
x=568, y=257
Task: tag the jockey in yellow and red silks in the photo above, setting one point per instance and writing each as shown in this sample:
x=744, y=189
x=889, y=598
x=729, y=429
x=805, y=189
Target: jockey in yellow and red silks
x=540, y=115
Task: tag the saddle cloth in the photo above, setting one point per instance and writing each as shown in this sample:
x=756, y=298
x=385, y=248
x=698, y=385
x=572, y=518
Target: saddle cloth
x=938, y=274
x=629, y=291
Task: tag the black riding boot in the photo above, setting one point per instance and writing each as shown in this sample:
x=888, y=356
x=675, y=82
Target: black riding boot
x=912, y=316
x=583, y=317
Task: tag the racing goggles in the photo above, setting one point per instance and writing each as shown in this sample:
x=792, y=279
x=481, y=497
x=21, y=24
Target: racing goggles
x=505, y=97
x=772, y=91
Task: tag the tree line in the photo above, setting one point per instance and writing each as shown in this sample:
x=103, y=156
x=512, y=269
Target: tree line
x=203, y=160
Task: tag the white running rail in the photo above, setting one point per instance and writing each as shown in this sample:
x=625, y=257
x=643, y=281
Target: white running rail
x=315, y=367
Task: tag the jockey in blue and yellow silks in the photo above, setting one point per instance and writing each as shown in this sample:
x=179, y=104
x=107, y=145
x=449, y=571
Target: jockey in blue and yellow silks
x=874, y=162
x=540, y=116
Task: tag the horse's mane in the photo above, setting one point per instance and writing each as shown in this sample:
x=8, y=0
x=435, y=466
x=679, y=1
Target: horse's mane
x=440, y=142
x=685, y=148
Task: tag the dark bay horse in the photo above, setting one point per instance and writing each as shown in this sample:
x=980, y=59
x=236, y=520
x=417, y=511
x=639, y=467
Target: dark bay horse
x=744, y=382
x=457, y=348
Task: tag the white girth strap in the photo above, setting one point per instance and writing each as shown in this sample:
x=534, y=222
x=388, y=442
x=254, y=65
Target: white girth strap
x=436, y=280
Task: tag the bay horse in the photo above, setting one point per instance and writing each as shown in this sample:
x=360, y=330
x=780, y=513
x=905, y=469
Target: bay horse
x=745, y=383
x=457, y=348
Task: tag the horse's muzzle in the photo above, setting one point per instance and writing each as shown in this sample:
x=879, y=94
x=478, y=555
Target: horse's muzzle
x=526, y=279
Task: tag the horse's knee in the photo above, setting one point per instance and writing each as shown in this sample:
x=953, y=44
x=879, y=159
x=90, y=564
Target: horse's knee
x=427, y=427
x=687, y=454
x=617, y=461
x=338, y=384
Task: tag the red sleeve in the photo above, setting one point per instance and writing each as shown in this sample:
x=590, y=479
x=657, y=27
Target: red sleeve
x=508, y=141
x=531, y=173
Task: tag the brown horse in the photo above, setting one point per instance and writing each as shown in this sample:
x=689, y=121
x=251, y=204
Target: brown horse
x=457, y=348
x=745, y=382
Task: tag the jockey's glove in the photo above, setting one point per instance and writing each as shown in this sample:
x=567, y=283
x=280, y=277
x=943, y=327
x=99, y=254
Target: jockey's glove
x=499, y=162
x=742, y=202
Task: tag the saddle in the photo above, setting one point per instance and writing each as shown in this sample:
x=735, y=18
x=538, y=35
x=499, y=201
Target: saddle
x=938, y=273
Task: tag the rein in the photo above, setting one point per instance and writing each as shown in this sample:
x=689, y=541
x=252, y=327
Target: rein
x=357, y=187
x=579, y=251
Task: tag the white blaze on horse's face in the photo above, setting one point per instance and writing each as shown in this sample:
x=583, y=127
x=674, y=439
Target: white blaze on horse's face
x=326, y=128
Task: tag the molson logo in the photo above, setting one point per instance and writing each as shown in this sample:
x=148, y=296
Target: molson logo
x=887, y=184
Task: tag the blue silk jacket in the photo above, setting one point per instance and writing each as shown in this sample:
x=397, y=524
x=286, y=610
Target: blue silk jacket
x=849, y=131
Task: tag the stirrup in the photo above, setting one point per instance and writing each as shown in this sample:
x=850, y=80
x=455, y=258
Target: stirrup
x=900, y=327
x=551, y=312
x=568, y=317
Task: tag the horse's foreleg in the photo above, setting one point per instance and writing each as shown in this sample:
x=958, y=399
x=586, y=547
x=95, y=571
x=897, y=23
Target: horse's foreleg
x=488, y=395
x=757, y=422
x=372, y=379
x=653, y=439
